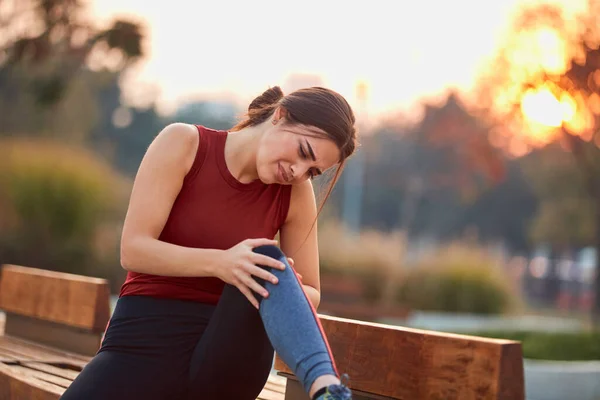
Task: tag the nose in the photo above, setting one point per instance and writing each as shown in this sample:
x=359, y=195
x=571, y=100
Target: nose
x=298, y=170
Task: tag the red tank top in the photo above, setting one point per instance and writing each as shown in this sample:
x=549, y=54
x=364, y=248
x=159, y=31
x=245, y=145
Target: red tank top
x=215, y=211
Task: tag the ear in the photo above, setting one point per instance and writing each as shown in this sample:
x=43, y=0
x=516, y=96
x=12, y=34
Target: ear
x=280, y=113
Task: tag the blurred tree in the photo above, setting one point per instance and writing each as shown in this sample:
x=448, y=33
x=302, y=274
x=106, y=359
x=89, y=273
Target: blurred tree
x=61, y=208
x=563, y=218
x=441, y=178
x=122, y=134
x=54, y=39
x=545, y=87
x=47, y=51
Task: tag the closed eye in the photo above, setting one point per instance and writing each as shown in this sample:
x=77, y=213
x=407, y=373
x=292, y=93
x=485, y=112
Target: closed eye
x=304, y=154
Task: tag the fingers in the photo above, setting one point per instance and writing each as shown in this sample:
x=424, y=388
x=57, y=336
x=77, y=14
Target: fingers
x=262, y=274
x=261, y=259
x=255, y=286
x=290, y=261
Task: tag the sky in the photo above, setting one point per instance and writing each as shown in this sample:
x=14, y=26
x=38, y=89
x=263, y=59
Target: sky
x=404, y=51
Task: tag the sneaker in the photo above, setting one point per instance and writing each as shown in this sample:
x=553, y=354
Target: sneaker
x=335, y=392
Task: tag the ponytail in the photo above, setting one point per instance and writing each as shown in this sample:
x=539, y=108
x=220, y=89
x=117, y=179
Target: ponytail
x=261, y=108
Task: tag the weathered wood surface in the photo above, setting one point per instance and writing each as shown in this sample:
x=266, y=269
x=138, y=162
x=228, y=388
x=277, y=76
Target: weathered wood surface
x=30, y=371
x=412, y=364
x=67, y=299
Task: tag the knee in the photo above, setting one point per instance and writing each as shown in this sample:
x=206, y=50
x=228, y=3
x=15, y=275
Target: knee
x=276, y=253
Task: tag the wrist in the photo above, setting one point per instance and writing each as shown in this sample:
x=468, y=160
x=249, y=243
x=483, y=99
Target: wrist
x=214, y=261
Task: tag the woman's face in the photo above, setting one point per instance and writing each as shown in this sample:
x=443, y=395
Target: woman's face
x=290, y=154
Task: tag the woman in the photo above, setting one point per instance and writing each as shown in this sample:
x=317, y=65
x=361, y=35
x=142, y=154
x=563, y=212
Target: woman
x=198, y=246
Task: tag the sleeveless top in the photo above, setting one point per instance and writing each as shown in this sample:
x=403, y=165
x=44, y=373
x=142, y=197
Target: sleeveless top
x=214, y=211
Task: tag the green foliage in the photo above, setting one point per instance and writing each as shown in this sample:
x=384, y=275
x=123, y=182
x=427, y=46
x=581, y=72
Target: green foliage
x=560, y=346
x=56, y=207
x=457, y=279
x=565, y=215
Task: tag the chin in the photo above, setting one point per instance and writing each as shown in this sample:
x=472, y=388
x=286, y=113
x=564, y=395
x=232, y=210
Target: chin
x=268, y=178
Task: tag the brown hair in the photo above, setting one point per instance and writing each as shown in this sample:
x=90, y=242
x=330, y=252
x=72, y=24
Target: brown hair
x=315, y=106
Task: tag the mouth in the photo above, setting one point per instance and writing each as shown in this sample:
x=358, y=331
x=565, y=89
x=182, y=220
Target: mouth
x=283, y=177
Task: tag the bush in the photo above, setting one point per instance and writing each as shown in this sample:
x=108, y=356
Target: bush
x=373, y=257
x=458, y=278
x=56, y=206
x=580, y=346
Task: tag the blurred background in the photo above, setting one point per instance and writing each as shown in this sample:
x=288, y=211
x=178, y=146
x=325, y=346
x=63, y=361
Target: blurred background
x=472, y=205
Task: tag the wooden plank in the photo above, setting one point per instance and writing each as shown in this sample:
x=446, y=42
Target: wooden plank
x=52, y=334
x=15, y=385
x=30, y=351
x=52, y=369
x=295, y=391
x=510, y=379
x=69, y=299
x=404, y=363
x=15, y=355
x=268, y=395
x=274, y=389
x=42, y=376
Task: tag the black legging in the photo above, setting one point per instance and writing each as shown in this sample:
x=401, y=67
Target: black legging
x=161, y=349
x=153, y=347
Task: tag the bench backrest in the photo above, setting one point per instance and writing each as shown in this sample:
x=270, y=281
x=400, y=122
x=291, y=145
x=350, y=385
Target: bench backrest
x=401, y=363
x=58, y=309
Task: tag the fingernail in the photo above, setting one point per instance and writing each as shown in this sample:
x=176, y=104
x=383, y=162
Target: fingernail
x=274, y=280
x=265, y=294
x=282, y=266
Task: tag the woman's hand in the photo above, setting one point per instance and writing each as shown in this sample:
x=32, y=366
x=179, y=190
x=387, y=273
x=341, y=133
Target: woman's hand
x=239, y=264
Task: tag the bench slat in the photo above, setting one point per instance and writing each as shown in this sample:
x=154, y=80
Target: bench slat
x=51, y=369
x=17, y=385
x=68, y=299
x=28, y=351
x=53, y=334
x=404, y=363
x=42, y=376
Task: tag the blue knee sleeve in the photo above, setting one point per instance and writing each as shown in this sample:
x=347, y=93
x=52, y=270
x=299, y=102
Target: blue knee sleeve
x=292, y=324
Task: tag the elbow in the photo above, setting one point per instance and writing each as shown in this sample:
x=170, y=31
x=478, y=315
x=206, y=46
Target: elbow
x=125, y=259
x=127, y=255
x=317, y=301
x=314, y=295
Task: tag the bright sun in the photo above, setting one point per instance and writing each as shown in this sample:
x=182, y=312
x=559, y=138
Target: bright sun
x=541, y=106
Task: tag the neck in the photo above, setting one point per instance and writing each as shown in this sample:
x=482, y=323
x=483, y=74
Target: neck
x=240, y=152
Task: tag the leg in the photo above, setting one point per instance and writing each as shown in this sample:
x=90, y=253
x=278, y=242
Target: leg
x=145, y=353
x=294, y=328
x=234, y=357
x=118, y=376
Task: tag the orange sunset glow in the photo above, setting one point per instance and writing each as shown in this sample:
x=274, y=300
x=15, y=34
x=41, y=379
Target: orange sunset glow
x=546, y=107
x=404, y=52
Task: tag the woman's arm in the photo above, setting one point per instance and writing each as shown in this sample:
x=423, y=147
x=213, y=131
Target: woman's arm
x=301, y=215
x=158, y=182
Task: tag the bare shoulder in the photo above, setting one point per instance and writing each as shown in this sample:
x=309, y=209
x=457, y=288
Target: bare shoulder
x=302, y=202
x=159, y=180
x=178, y=141
x=178, y=136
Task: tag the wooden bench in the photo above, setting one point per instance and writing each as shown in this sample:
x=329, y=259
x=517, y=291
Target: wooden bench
x=55, y=321
x=388, y=362
x=53, y=325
